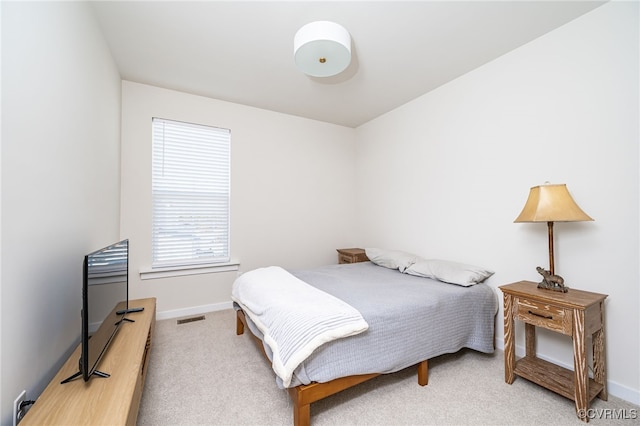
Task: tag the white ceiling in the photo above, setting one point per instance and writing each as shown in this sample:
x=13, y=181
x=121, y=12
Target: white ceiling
x=242, y=51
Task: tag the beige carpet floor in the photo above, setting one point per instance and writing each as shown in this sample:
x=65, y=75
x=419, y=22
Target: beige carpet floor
x=201, y=373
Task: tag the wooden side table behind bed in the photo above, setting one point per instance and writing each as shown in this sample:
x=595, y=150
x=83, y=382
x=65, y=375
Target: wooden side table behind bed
x=351, y=255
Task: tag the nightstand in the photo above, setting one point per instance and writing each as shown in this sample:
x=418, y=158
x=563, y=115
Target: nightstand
x=579, y=314
x=352, y=255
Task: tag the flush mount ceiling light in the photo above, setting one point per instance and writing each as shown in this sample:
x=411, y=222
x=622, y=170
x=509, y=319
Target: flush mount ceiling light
x=322, y=49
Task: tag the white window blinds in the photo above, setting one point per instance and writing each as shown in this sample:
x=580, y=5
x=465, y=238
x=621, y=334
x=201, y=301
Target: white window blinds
x=190, y=191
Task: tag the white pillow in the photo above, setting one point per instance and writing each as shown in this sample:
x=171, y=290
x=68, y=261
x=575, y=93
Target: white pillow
x=449, y=272
x=392, y=259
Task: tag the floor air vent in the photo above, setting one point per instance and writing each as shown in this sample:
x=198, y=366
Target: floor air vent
x=192, y=319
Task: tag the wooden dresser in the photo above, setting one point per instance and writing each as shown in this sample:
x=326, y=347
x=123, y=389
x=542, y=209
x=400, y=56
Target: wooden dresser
x=352, y=255
x=579, y=314
x=102, y=401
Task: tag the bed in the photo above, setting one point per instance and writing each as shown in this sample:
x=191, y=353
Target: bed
x=409, y=319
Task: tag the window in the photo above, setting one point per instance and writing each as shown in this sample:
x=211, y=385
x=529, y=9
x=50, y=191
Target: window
x=190, y=194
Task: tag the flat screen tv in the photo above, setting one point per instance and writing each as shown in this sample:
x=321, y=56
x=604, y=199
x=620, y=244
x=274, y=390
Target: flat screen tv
x=105, y=287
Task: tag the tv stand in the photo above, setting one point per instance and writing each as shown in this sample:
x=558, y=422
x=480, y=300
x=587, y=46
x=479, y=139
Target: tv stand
x=114, y=400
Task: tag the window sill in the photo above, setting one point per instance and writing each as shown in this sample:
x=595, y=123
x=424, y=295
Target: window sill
x=177, y=271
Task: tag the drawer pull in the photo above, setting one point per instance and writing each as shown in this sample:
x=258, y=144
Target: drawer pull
x=540, y=315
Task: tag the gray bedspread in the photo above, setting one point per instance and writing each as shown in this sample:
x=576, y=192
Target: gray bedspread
x=410, y=319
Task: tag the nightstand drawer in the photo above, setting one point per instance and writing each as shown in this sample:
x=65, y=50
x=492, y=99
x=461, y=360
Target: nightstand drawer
x=343, y=258
x=352, y=255
x=543, y=315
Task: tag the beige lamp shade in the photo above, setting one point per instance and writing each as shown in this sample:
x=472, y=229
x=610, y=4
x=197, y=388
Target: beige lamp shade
x=551, y=203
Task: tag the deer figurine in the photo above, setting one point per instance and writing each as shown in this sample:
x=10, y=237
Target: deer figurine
x=551, y=281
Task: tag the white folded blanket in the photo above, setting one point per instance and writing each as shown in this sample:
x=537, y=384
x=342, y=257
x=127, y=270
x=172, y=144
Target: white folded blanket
x=295, y=317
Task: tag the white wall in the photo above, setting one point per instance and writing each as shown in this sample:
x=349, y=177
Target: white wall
x=292, y=191
x=60, y=182
x=446, y=175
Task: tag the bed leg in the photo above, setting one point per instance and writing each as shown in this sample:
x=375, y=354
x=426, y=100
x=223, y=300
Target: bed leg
x=301, y=412
x=423, y=373
x=239, y=323
x=302, y=415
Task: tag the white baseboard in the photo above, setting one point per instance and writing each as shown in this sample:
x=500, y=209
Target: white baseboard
x=195, y=310
x=613, y=388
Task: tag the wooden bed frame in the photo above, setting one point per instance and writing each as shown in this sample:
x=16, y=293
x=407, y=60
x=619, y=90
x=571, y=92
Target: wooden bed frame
x=303, y=395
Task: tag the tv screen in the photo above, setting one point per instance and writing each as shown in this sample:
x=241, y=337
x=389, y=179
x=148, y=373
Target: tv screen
x=104, y=288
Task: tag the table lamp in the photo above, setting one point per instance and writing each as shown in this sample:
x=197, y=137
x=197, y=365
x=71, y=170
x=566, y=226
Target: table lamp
x=551, y=203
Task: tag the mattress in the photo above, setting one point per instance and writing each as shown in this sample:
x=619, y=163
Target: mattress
x=411, y=319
